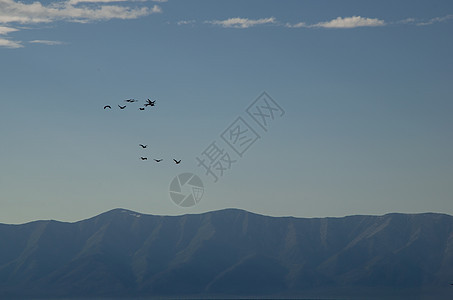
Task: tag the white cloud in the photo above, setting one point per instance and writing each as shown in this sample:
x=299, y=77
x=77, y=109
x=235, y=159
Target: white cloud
x=339, y=22
x=5, y=30
x=47, y=42
x=10, y=44
x=185, y=22
x=11, y=11
x=436, y=20
x=82, y=11
x=160, y=1
x=75, y=2
x=350, y=22
x=357, y=21
x=156, y=9
x=241, y=22
x=297, y=25
x=407, y=21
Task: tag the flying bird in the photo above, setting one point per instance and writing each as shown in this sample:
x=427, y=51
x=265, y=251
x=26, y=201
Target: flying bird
x=149, y=102
x=177, y=161
x=107, y=106
x=131, y=100
x=158, y=160
x=142, y=108
x=143, y=146
x=143, y=158
x=122, y=107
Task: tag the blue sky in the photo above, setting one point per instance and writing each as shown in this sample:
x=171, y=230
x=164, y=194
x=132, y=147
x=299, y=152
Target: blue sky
x=365, y=85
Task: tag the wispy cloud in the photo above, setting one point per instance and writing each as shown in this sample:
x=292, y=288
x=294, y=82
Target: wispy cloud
x=75, y=2
x=18, y=12
x=350, y=22
x=82, y=11
x=407, y=21
x=156, y=9
x=5, y=30
x=185, y=22
x=436, y=20
x=241, y=22
x=47, y=42
x=358, y=21
x=10, y=44
x=297, y=25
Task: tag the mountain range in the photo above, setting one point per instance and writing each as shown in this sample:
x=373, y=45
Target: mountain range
x=229, y=253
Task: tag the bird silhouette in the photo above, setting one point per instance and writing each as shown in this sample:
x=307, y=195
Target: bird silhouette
x=131, y=100
x=149, y=102
x=177, y=161
x=143, y=146
x=158, y=160
x=143, y=158
x=142, y=108
x=122, y=107
x=107, y=106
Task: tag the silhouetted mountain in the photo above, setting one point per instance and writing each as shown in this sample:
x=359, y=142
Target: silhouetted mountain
x=229, y=253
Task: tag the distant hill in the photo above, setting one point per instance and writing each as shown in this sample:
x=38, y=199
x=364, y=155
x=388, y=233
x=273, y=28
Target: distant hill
x=229, y=253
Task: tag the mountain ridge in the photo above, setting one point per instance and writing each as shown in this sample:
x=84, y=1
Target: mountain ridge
x=125, y=210
x=228, y=252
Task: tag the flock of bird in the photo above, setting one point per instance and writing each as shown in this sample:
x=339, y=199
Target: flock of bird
x=156, y=160
x=147, y=103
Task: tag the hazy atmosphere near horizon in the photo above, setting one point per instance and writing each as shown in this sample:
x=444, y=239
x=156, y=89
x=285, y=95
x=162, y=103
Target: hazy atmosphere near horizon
x=360, y=121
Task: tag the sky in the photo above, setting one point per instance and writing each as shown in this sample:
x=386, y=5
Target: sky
x=358, y=115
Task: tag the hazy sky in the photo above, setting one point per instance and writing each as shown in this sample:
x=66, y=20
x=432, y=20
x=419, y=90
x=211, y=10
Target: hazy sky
x=366, y=87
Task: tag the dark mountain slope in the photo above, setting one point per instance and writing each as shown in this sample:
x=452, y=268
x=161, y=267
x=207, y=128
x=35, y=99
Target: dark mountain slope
x=229, y=252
